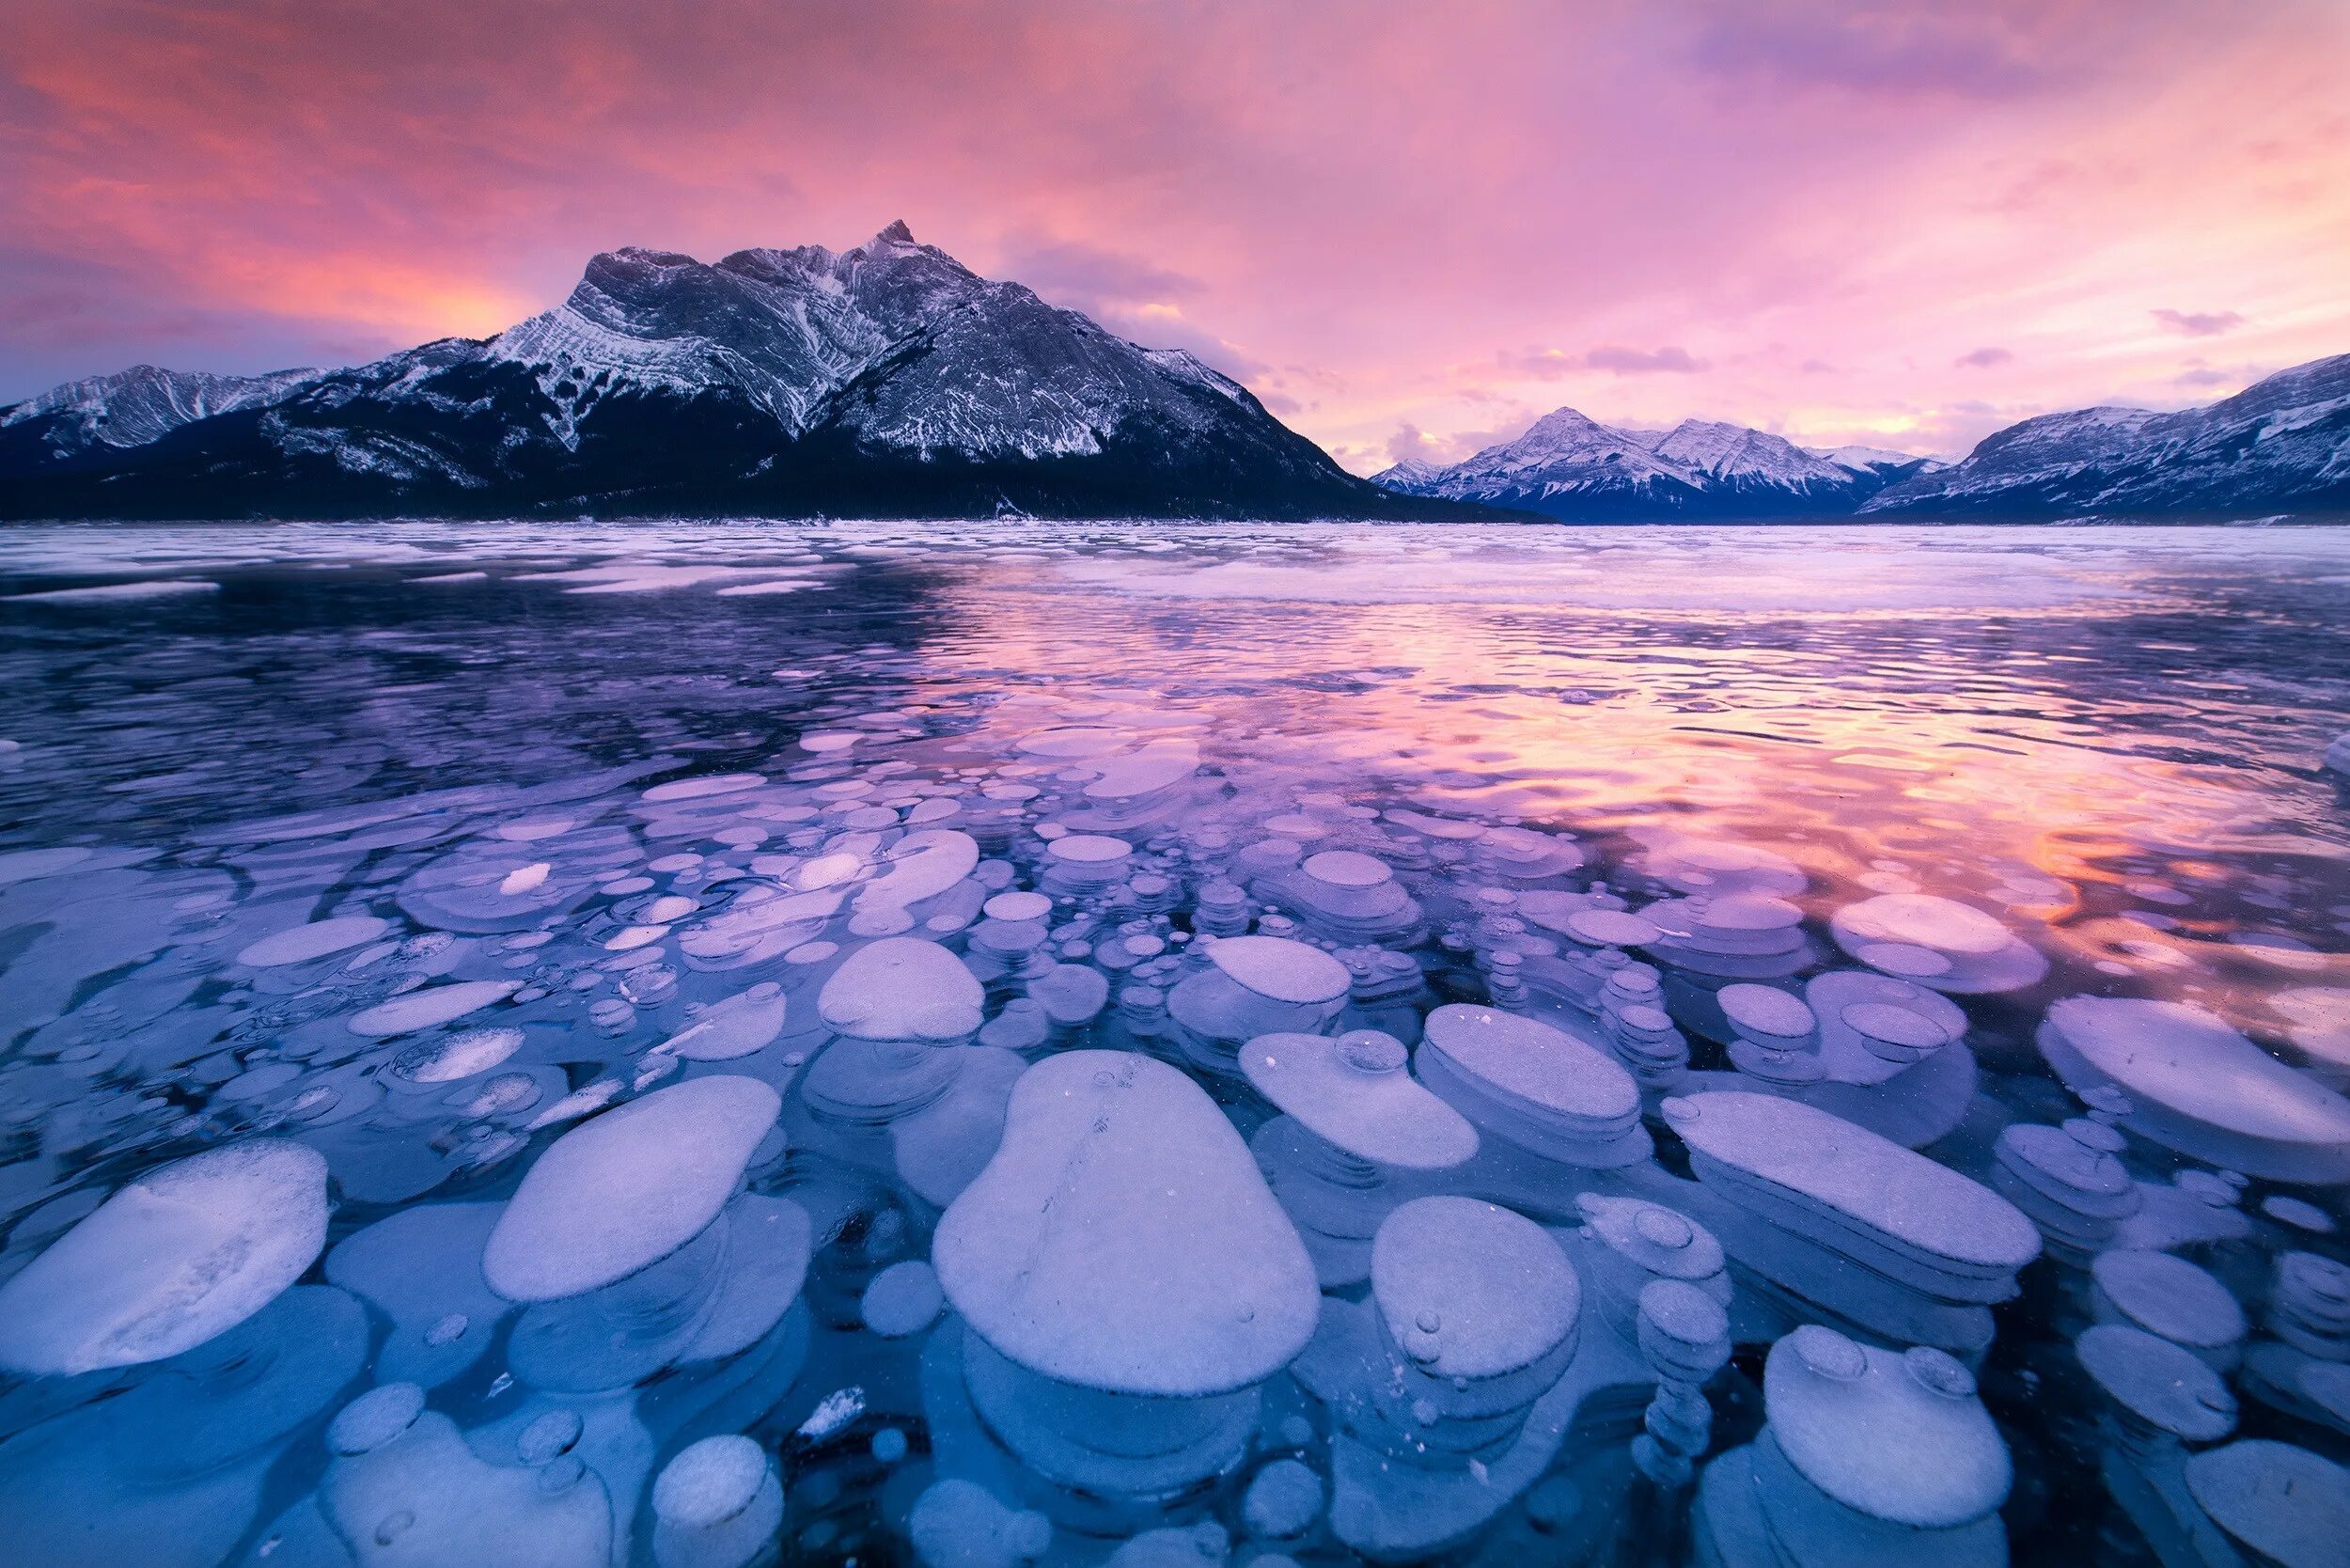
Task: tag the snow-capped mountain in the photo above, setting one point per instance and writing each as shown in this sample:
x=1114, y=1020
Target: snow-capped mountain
x=1885, y=465
x=1572, y=467
x=131, y=408
x=887, y=379
x=2282, y=445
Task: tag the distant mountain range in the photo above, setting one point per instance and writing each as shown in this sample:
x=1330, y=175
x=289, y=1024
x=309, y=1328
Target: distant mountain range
x=884, y=381
x=2280, y=446
x=1572, y=467
x=891, y=381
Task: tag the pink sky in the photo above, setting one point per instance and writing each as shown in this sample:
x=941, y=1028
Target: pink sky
x=1411, y=227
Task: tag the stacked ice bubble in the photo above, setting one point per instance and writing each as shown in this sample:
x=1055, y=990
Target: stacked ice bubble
x=1032, y=1137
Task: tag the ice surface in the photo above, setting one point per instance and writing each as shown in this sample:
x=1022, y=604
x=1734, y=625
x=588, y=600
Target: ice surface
x=1439, y=905
x=175, y=1256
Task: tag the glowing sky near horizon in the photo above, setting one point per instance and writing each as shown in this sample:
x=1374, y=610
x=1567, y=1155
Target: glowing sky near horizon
x=1411, y=228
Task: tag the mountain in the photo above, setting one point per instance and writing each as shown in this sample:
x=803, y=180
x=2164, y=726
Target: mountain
x=1572, y=467
x=2281, y=445
x=130, y=408
x=887, y=379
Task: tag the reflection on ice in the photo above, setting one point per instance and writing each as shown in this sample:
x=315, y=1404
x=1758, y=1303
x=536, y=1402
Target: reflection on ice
x=704, y=1048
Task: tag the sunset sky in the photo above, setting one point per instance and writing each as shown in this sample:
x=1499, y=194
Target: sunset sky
x=1410, y=228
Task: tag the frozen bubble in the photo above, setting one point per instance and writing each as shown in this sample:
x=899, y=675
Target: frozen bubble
x=703, y=788
x=1610, y=928
x=1122, y=1238
x=1283, y=1499
x=901, y=988
x=1471, y=1290
x=1925, y=920
x=429, y=1007
x=2286, y=1505
x=2301, y=1215
x=301, y=944
x=1529, y=1067
x=1088, y=849
x=1898, y=1437
x=1155, y=766
x=956, y=1523
x=1787, y=1150
x=1765, y=1012
x=1352, y=1092
x=1073, y=743
x=177, y=1256
x=719, y=1503
x=710, y=1483
x=1348, y=869
x=375, y=1417
x=1018, y=906
x=1976, y=953
x=1905, y=960
x=529, y=830
x=2158, y=1382
x=2317, y=1020
x=830, y=739
x=1433, y=827
x=889, y=1445
x=628, y=1188
x=903, y=1299
x=2197, y=1086
x=549, y=1436
x=2169, y=1296
x=460, y=1055
x=744, y=1023
x=1280, y=969
x=923, y=864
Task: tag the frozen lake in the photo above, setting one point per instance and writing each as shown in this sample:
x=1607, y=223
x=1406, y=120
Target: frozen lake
x=1173, y=1045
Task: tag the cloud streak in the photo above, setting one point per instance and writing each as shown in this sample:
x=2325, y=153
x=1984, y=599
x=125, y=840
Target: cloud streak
x=2197, y=323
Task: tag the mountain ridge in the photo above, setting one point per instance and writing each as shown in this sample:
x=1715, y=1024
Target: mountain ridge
x=887, y=379
x=1569, y=467
x=2281, y=445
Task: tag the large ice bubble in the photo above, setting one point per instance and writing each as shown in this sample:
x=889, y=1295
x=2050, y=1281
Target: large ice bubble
x=177, y=1256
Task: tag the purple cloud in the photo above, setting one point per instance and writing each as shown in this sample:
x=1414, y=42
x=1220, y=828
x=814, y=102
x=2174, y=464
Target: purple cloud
x=1551, y=364
x=2199, y=324
x=1410, y=441
x=1983, y=359
x=1885, y=51
x=1089, y=279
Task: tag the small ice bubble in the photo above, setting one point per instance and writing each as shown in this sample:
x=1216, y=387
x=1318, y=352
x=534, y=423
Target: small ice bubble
x=550, y=1435
x=902, y=1299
